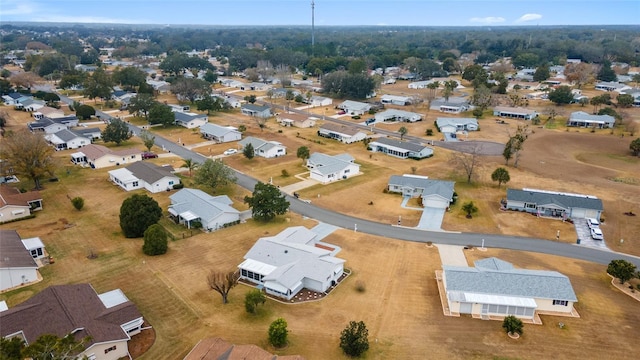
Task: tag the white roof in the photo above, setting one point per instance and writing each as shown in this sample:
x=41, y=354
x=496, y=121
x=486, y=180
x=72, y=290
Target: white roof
x=123, y=175
x=257, y=267
x=500, y=300
x=32, y=243
x=113, y=298
x=188, y=215
x=3, y=305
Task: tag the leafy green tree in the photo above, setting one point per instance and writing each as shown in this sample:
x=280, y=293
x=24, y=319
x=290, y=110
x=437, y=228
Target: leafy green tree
x=343, y=84
x=51, y=347
x=625, y=100
x=161, y=114
x=278, y=333
x=526, y=59
x=147, y=139
x=475, y=74
x=250, y=99
x=191, y=89
x=116, y=131
x=210, y=103
x=129, y=77
x=621, y=269
x=214, y=173
x=98, y=85
x=30, y=154
x=470, y=208
x=248, y=151
x=252, y=299
x=635, y=147
x=267, y=202
x=141, y=104
x=449, y=65
x=354, y=339
x=72, y=78
x=85, y=112
x=137, y=213
x=402, y=131
x=561, y=95
x=512, y=325
x=10, y=349
x=52, y=99
x=501, y=175
x=155, y=240
x=303, y=153
x=78, y=203
x=606, y=73
x=222, y=283
x=542, y=73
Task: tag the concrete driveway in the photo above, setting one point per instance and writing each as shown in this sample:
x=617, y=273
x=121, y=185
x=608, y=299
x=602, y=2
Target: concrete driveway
x=431, y=219
x=583, y=233
x=452, y=255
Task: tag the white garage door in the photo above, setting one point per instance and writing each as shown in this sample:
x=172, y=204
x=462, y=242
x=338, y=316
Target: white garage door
x=578, y=213
x=434, y=202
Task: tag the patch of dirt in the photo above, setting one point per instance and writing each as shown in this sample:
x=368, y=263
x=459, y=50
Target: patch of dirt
x=139, y=344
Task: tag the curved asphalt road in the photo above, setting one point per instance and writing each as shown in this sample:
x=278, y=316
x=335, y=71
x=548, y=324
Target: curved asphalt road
x=409, y=234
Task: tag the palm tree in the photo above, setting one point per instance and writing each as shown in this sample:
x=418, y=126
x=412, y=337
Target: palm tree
x=190, y=164
x=470, y=209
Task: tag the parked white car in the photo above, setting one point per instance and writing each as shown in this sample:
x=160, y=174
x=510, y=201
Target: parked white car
x=230, y=152
x=596, y=234
x=593, y=223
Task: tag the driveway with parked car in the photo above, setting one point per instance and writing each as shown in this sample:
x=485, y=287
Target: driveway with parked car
x=588, y=232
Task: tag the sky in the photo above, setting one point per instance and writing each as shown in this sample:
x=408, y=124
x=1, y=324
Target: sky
x=327, y=12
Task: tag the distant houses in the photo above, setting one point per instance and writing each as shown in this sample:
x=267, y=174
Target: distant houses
x=263, y=148
x=400, y=149
x=343, y=133
x=326, y=168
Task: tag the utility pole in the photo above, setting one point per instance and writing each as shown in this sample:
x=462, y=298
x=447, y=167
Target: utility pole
x=313, y=25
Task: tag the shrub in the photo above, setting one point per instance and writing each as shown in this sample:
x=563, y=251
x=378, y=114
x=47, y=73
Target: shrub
x=137, y=213
x=512, y=325
x=252, y=299
x=285, y=173
x=278, y=332
x=155, y=240
x=429, y=132
x=78, y=203
x=360, y=286
x=477, y=113
x=354, y=339
x=178, y=186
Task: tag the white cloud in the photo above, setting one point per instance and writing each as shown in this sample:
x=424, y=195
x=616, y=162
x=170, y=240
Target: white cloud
x=17, y=7
x=87, y=19
x=487, y=20
x=529, y=17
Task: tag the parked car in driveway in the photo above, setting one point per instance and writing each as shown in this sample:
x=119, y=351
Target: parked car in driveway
x=230, y=152
x=593, y=223
x=596, y=234
x=149, y=155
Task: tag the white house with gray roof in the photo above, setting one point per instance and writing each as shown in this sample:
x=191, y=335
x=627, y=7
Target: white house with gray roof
x=554, y=204
x=494, y=288
x=144, y=175
x=220, y=134
x=327, y=168
x=396, y=100
x=583, y=119
x=189, y=206
x=400, y=149
x=611, y=86
x=264, y=148
x=452, y=125
x=453, y=105
x=343, y=133
x=397, y=115
x=354, y=107
x=291, y=261
x=261, y=111
x=190, y=120
x=67, y=139
x=514, y=112
x=434, y=193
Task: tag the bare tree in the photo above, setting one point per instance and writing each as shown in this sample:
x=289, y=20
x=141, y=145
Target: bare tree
x=467, y=161
x=222, y=283
x=265, y=69
x=514, y=145
x=25, y=80
x=30, y=155
x=283, y=73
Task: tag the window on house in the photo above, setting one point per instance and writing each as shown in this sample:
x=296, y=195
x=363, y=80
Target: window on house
x=560, y=302
x=170, y=182
x=530, y=206
x=135, y=183
x=108, y=350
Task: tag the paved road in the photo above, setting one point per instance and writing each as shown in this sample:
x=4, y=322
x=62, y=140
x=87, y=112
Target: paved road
x=410, y=234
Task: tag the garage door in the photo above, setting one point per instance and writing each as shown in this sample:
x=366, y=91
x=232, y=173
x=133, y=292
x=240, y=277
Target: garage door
x=434, y=202
x=578, y=213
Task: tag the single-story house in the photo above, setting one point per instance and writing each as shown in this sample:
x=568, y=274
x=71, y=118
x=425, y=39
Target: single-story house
x=162, y=87
x=230, y=82
x=451, y=125
x=233, y=101
x=261, y=111
x=30, y=104
x=327, y=168
x=554, y=204
x=354, y=107
x=281, y=93
x=495, y=288
x=452, y=105
x=419, y=84
x=10, y=99
x=49, y=112
x=266, y=149
x=514, y=112
x=610, y=86
x=320, y=101
x=396, y=100
x=220, y=134
x=397, y=115
x=142, y=174
x=53, y=125
x=218, y=348
x=109, y=319
x=583, y=119
x=98, y=156
x=434, y=193
x=91, y=133
x=17, y=265
x=255, y=86
x=192, y=206
x=400, y=149
x=190, y=120
x=15, y=204
x=292, y=260
x=67, y=139
x=342, y=133
x=296, y=120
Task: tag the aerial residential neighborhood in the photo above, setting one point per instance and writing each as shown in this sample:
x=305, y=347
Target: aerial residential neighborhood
x=318, y=191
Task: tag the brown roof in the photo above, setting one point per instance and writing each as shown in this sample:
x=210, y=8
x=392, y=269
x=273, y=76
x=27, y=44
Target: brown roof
x=342, y=129
x=61, y=309
x=13, y=253
x=293, y=116
x=94, y=151
x=219, y=349
x=12, y=196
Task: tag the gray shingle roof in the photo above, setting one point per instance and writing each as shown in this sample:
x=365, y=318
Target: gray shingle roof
x=509, y=282
x=440, y=187
x=216, y=130
x=256, y=108
x=205, y=206
x=456, y=121
x=564, y=200
x=400, y=144
x=327, y=164
x=14, y=254
x=149, y=172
